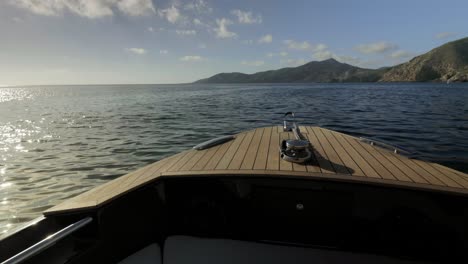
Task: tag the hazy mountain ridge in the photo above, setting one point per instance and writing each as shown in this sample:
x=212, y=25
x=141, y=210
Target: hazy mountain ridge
x=448, y=62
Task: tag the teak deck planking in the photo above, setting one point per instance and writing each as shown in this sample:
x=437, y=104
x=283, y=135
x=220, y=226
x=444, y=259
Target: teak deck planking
x=337, y=157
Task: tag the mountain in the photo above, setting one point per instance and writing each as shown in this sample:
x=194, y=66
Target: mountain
x=316, y=71
x=448, y=62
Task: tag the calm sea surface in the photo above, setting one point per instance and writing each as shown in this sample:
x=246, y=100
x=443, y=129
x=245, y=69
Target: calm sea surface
x=59, y=141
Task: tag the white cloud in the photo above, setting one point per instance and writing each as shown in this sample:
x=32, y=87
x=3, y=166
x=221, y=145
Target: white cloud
x=349, y=60
x=150, y=29
x=256, y=63
x=266, y=39
x=17, y=19
x=201, y=24
x=320, y=47
x=297, y=45
x=86, y=8
x=321, y=52
x=198, y=22
x=282, y=54
x=186, y=32
x=246, y=17
x=400, y=54
x=445, y=35
x=172, y=14
x=323, y=55
x=293, y=62
x=138, y=51
x=134, y=7
x=377, y=47
x=191, y=58
x=46, y=8
x=320, y=56
x=163, y=52
x=304, y=46
x=199, y=6
x=222, y=31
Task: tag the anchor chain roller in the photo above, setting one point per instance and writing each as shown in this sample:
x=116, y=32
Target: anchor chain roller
x=294, y=150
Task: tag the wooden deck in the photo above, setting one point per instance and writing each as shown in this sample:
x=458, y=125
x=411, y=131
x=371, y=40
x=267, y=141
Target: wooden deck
x=337, y=157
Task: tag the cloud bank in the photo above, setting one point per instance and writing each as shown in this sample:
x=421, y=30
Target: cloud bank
x=191, y=58
x=245, y=17
x=377, y=47
x=86, y=8
x=222, y=31
x=265, y=39
x=138, y=51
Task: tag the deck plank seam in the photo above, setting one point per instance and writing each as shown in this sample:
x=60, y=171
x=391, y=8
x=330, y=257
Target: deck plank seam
x=267, y=151
x=227, y=151
x=313, y=159
x=336, y=152
x=174, y=163
x=464, y=175
x=269, y=159
x=378, y=160
x=168, y=160
x=267, y=147
x=162, y=162
x=347, y=140
x=400, y=158
x=222, y=151
x=333, y=151
x=397, y=166
x=384, y=156
x=351, y=156
x=207, y=156
x=325, y=157
x=462, y=181
x=181, y=163
x=237, y=149
x=435, y=176
x=250, y=144
x=153, y=166
x=449, y=172
x=194, y=159
x=363, y=162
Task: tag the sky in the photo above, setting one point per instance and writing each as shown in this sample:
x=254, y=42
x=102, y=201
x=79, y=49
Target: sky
x=178, y=41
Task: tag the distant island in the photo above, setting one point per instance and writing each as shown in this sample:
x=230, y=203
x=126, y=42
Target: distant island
x=447, y=63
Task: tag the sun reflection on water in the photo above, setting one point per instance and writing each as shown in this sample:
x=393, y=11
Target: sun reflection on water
x=10, y=94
